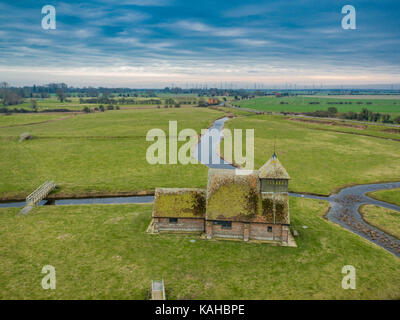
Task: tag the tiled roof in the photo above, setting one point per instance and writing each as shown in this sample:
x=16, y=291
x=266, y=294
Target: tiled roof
x=273, y=169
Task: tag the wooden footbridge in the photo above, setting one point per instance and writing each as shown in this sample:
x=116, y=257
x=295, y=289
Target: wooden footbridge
x=38, y=195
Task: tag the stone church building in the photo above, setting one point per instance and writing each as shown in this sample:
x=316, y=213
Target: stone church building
x=244, y=207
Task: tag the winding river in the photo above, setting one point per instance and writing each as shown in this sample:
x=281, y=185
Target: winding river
x=344, y=205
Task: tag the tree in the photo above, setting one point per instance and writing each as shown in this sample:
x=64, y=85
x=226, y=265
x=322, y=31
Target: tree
x=332, y=110
x=397, y=120
x=3, y=91
x=60, y=94
x=386, y=118
x=101, y=107
x=3, y=87
x=34, y=105
x=202, y=102
x=44, y=95
x=9, y=96
x=86, y=109
x=169, y=101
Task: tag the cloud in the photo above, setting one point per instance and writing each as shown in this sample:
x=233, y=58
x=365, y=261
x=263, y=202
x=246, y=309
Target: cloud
x=252, y=42
x=192, y=39
x=138, y=43
x=207, y=30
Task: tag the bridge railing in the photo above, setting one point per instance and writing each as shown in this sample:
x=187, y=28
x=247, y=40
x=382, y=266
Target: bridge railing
x=40, y=193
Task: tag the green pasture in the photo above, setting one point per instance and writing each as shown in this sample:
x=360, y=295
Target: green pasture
x=97, y=152
x=350, y=127
x=106, y=152
x=303, y=104
x=20, y=119
x=321, y=160
x=103, y=252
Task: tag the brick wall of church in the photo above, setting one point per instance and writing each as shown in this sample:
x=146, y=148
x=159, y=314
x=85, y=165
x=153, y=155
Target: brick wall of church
x=182, y=225
x=248, y=231
x=236, y=230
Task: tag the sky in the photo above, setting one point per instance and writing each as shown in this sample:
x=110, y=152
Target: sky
x=187, y=43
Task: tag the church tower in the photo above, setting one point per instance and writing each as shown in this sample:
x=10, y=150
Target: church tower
x=273, y=176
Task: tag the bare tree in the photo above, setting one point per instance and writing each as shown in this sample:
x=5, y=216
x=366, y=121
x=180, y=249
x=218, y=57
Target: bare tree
x=60, y=95
x=9, y=96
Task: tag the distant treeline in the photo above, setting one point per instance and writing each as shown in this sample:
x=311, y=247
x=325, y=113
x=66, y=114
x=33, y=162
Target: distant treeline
x=106, y=100
x=23, y=110
x=363, y=115
x=125, y=101
x=44, y=91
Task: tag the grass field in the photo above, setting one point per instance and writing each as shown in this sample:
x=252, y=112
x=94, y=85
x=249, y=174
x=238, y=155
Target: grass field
x=234, y=111
x=97, y=152
x=105, y=152
x=382, y=218
x=391, y=196
x=302, y=104
x=374, y=130
x=321, y=161
x=103, y=252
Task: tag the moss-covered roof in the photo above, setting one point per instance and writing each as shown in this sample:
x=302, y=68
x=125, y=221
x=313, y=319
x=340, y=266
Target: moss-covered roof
x=273, y=169
x=179, y=203
x=229, y=197
x=232, y=197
